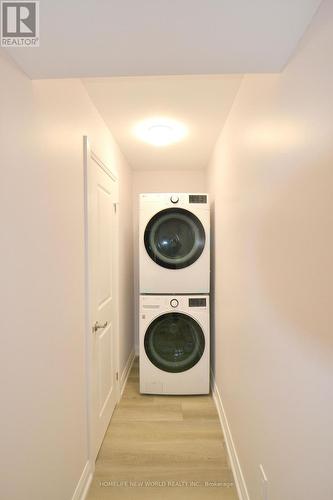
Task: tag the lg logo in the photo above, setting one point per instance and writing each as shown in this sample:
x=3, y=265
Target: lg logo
x=20, y=24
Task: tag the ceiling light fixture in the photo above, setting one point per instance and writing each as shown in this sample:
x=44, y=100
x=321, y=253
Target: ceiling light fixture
x=160, y=132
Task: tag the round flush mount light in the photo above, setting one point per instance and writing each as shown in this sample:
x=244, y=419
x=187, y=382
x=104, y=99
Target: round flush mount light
x=160, y=132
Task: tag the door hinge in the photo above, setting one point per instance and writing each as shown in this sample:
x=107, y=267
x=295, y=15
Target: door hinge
x=117, y=376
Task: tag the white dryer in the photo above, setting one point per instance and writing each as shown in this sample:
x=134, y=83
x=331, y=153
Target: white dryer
x=174, y=243
x=174, y=344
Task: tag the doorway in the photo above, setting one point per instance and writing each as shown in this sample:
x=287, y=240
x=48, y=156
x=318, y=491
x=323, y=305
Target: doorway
x=101, y=244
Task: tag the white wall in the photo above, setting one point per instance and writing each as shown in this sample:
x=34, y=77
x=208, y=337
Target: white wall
x=159, y=181
x=272, y=178
x=43, y=403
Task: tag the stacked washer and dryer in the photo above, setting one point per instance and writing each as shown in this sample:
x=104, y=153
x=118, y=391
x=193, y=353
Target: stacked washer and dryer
x=174, y=293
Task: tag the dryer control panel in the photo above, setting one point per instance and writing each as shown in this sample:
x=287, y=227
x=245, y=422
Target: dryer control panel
x=197, y=198
x=161, y=200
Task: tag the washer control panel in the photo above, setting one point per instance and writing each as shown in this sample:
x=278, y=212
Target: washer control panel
x=174, y=303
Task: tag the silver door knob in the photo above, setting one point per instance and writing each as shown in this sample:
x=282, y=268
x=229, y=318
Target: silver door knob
x=98, y=327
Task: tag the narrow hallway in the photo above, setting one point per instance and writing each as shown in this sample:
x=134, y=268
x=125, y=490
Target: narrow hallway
x=172, y=440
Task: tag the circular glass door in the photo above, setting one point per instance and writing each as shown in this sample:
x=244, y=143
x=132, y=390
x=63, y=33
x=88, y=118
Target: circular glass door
x=174, y=238
x=174, y=342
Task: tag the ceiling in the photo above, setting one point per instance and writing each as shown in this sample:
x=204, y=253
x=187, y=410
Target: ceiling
x=201, y=103
x=164, y=37
x=123, y=48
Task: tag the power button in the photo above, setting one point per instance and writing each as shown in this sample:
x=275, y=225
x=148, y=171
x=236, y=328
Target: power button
x=174, y=198
x=174, y=303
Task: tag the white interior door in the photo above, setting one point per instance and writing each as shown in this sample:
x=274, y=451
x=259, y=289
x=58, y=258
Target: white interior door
x=102, y=347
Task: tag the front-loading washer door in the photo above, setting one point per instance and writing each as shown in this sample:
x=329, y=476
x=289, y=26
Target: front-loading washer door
x=174, y=342
x=174, y=238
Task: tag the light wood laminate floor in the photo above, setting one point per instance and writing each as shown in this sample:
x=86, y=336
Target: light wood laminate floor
x=162, y=447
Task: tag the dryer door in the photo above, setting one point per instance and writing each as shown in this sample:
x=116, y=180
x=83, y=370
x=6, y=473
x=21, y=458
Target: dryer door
x=174, y=342
x=174, y=238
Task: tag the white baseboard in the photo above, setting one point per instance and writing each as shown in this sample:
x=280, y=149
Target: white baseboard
x=82, y=487
x=126, y=372
x=232, y=453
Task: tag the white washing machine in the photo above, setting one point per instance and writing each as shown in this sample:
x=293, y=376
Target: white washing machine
x=174, y=344
x=174, y=243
